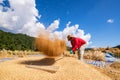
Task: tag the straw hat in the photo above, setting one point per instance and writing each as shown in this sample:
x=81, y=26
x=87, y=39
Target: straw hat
x=69, y=37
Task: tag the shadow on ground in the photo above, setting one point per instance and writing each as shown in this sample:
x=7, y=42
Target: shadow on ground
x=41, y=62
x=44, y=64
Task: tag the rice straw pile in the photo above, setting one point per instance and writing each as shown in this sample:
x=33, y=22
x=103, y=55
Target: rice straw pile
x=116, y=65
x=50, y=47
x=95, y=55
x=70, y=69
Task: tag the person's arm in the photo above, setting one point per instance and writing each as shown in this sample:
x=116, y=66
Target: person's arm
x=72, y=52
x=74, y=46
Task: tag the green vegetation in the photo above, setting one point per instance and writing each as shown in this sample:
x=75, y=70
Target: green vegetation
x=10, y=41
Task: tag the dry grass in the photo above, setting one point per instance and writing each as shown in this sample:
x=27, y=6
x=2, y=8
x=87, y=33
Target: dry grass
x=70, y=69
x=95, y=55
x=9, y=53
x=114, y=51
x=50, y=47
x=5, y=54
x=115, y=66
x=92, y=55
x=99, y=53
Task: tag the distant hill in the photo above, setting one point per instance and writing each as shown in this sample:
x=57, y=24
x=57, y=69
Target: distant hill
x=11, y=41
x=4, y=29
x=117, y=46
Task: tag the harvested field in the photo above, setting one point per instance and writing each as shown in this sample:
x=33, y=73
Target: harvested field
x=69, y=69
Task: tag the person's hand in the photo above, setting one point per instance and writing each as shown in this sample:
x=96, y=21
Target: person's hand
x=71, y=52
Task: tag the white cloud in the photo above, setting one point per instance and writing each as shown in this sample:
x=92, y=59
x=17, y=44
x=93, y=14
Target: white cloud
x=110, y=21
x=1, y=8
x=1, y=1
x=73, y=30
x=15, y=18
x=21, y=18
x=53, y=25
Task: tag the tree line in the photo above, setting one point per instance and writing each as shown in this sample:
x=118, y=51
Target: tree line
x=11, y=41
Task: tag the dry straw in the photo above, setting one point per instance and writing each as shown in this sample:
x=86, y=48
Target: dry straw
x=95, y=55
x=50, y=47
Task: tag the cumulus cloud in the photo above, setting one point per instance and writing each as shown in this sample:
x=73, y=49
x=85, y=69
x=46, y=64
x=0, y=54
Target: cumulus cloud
x=20, y=17
x=1, y=1
x=110, y=21
x=73, y=30
x=53, y=26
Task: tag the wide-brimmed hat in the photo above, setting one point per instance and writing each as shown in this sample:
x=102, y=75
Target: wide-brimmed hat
x=69, y=37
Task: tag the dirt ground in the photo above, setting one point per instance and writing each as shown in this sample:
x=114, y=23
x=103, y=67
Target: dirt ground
x=69, y=69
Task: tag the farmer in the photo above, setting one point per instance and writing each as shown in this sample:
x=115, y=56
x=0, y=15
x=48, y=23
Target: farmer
x=78, y=44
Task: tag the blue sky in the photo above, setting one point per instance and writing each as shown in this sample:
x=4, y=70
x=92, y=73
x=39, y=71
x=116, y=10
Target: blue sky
x=100, y=18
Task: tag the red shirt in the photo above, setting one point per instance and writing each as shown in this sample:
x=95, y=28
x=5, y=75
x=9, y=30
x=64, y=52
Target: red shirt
x=77, y=43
